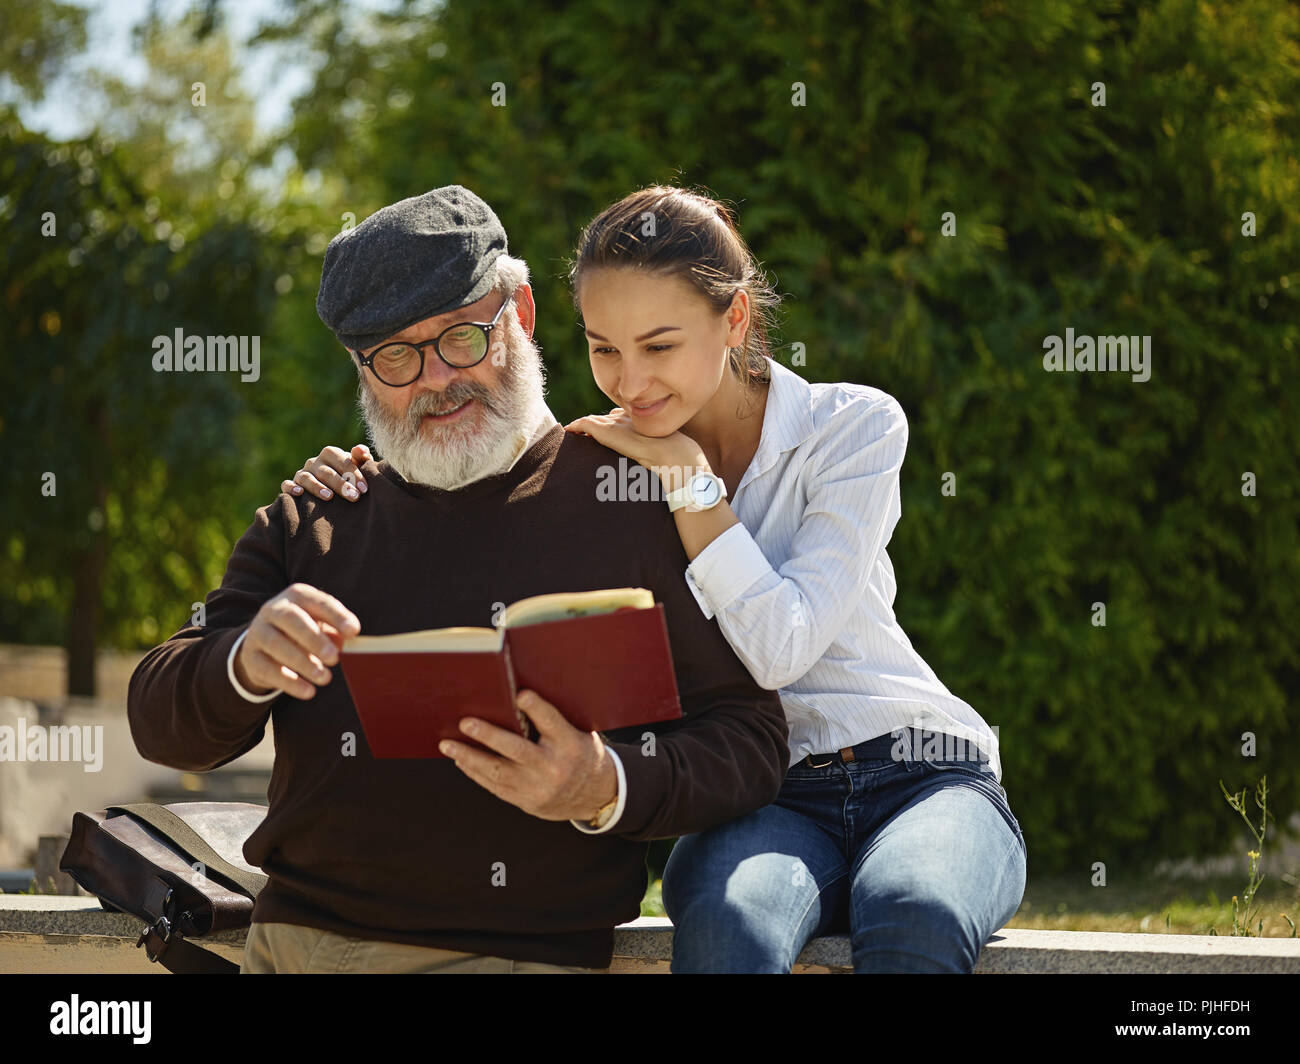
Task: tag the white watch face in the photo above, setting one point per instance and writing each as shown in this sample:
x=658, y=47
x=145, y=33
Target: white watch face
x=705, y=491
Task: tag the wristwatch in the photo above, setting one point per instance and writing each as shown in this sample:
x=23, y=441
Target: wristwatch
x=702, y=492
x=604, y=813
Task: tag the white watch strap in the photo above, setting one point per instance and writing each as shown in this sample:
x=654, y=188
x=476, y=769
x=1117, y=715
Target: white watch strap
x=679, y=498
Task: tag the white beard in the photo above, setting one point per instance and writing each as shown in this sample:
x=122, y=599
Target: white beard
x=484, y=444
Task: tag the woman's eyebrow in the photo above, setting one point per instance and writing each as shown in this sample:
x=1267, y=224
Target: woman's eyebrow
x=637, y=339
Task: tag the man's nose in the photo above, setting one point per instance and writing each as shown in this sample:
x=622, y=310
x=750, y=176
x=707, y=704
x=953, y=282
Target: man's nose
x=437, y=375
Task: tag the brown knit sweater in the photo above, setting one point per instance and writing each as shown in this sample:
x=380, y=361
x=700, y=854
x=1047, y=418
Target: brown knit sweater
x=409, y=851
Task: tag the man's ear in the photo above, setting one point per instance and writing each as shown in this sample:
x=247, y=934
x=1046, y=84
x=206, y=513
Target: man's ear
x=525, y=309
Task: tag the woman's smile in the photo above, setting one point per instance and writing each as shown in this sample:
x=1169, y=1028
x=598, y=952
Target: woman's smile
x=649, y=409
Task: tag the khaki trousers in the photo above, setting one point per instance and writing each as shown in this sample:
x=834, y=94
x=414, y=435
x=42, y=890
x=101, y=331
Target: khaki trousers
x=290, y=949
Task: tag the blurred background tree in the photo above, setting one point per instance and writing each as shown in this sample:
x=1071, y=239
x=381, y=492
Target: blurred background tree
x=36, y=40
x=113, y=240
x=843, y=133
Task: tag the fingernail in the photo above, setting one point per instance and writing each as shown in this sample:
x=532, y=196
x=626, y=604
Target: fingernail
x=350, y=492
x=446, y=749
x=362, y=485
x=526, y=699
x=469, y=728
x=325, y=493
x=296, y=489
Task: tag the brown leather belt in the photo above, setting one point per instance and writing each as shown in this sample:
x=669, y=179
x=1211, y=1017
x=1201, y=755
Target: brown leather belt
x=822, y=760
x=880, y=748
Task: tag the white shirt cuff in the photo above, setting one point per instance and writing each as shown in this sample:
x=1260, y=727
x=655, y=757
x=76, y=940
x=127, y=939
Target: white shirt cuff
x=724, y=569
x=230, y=671
x=585, y=827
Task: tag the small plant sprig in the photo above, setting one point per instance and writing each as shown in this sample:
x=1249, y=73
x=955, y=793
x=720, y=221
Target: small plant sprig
x=1242, y=913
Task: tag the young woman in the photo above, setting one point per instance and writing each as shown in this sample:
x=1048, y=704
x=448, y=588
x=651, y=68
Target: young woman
x=892, y=824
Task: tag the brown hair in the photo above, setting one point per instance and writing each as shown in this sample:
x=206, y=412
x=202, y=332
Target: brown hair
x=682, y=233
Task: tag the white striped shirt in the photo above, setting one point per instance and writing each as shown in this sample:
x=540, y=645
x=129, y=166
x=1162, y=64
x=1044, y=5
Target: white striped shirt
x=803, y=588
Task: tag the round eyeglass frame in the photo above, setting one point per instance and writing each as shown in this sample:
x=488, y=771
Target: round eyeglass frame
x=485, y=327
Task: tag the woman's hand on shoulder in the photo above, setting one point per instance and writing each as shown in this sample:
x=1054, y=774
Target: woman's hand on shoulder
x=331, y=472
x=616, y=431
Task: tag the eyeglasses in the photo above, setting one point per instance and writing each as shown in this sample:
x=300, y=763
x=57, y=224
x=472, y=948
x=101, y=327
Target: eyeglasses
x=460, y=346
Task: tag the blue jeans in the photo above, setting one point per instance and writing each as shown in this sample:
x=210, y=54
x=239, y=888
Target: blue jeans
x=919, y=861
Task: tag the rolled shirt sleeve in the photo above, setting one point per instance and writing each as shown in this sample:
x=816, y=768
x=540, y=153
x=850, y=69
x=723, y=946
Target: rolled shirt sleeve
x=725, y=569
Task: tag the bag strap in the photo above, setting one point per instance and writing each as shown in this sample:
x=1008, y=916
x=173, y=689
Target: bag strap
x=183, y=958
x=164, y=939
x=169, y=947
x=189, y=840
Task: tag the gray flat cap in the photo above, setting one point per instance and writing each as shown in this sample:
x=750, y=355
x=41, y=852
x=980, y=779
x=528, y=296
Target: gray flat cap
x=412, y=260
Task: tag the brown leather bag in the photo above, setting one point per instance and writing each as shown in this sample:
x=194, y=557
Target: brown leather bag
x=180, y=868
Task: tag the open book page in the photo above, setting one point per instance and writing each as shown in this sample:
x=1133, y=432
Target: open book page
x=563, y=605
x=435, y=640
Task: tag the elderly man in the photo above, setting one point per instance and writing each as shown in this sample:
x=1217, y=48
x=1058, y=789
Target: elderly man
x=520, y=857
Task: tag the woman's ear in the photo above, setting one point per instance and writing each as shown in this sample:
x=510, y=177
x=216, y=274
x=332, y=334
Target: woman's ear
x=737, y=316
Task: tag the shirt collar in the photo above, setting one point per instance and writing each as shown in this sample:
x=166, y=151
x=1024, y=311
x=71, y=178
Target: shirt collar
x=787, y=419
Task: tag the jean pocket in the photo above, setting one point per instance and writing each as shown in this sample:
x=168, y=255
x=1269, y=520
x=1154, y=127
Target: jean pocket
x=982, y=775
x=982, y=769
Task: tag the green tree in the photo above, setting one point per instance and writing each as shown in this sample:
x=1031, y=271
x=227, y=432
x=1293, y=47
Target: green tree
x=111, y=501
x=37, y=37
x=115, y=241
x=168, y=217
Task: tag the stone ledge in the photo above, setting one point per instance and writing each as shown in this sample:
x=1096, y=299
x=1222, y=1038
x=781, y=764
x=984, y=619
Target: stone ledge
x=53, y=933
x=1033, y=952
x=53, y=914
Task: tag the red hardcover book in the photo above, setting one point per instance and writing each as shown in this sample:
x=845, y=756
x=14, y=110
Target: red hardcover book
x=602, y=658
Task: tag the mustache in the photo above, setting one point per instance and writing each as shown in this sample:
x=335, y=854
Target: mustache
x=430, y=403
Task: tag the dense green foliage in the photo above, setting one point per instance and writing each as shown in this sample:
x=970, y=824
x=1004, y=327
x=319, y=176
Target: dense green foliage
x=843, y=132
x=94, y=270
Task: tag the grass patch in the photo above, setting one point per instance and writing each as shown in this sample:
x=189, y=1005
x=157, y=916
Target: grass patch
x=653, y=903
x=1156, y=905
